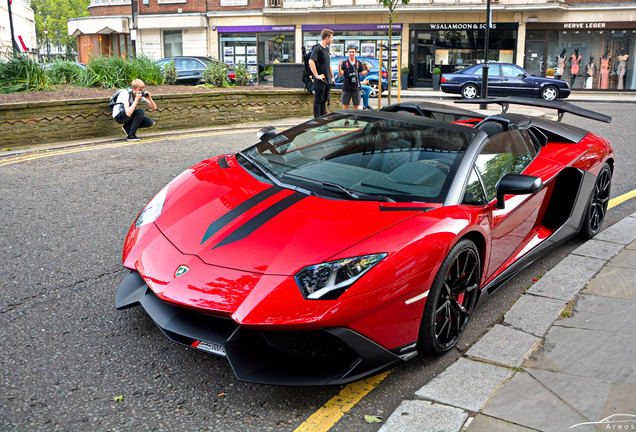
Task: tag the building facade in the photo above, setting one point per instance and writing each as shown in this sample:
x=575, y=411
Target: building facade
x=579, y=40
x=23, y=28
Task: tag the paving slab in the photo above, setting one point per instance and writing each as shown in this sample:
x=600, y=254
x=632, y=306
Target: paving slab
x=567, y=278
x=625, y=259
x=505, y=346
x=623, y=232
x=587, y=396
x=614, y=282
x=482, y=423
x=587, y=353
x=599, y=249
x=595, y=312
x=477, y=381
x=534, y=314
x=418, y=416
x=524, y=401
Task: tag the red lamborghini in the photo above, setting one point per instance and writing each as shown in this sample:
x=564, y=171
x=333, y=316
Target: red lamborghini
x=352, y=242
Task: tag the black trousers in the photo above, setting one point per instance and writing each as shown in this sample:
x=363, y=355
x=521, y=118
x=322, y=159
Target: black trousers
x=136, y=121
x=321, y=95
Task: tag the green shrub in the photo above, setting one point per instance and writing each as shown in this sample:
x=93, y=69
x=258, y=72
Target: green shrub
x=20, y=73
x=436, y=71
x=64, y=72
x=404, y=71
x=243, y=76
x=111, y=72
x=215, y=74
x=170, y=73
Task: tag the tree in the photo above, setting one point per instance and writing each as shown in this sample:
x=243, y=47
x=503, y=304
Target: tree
x=391, y=5
x=52, y=15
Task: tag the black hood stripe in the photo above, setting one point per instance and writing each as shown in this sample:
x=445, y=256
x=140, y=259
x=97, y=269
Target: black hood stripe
x=260, y=219
x=237, y=211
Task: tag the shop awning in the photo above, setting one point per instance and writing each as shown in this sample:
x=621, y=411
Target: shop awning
x=97, y=25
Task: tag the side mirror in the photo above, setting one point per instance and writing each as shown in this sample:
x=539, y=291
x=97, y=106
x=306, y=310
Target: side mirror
x=266, y=133
x=516, y=184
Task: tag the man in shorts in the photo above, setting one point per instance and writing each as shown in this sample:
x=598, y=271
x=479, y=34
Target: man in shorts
x=351, y=69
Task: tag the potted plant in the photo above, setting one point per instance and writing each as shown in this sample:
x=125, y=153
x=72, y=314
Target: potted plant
x=437, y=77
x=404, y=78
x=549, y=73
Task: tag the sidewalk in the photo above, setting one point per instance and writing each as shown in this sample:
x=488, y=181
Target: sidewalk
x=564, y=355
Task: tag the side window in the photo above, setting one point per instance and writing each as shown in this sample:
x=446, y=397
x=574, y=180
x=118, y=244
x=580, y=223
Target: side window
x=474, y=191
x=505, y=153
x=493, y=70
x=511, y=71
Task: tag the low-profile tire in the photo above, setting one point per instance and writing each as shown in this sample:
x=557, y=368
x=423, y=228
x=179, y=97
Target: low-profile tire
x=451, y=299
x=549, y=93
x=374, y=89
x=597, y=205
x=470, y=91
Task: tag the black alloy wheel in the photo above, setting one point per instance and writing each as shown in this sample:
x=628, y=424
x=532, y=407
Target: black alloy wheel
x=597, y=206
x=451, y=299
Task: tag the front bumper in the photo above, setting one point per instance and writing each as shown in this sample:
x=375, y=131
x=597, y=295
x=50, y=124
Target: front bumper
x=334, y=355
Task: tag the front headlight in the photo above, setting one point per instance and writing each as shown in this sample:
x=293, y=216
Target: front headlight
x=152, y=211
x=327, y=281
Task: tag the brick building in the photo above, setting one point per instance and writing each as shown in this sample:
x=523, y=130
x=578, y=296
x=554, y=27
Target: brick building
x=596, y=35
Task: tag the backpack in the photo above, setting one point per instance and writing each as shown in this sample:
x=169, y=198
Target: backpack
x=113, y=99
x=307, y=70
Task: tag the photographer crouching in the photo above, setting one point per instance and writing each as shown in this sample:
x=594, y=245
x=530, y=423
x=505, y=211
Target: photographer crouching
x=125, y=111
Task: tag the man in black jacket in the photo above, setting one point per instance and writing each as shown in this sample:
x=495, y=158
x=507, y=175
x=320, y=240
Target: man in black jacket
x=321, y=69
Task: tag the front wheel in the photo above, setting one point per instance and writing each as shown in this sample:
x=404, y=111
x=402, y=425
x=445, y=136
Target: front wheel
x=451, y=299
x=597, y=206
x=470, y=91
x=549, y=93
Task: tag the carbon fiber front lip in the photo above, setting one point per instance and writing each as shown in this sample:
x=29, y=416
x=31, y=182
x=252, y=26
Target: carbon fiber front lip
x=252, y=359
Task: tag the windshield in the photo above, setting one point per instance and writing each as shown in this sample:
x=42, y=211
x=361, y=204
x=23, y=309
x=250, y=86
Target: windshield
x=365, y=157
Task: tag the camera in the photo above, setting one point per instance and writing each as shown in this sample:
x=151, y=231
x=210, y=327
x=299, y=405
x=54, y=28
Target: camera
x=353, y=79
x=144, y=93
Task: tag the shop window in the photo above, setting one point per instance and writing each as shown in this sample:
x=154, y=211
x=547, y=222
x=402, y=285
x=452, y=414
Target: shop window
x=172, y=43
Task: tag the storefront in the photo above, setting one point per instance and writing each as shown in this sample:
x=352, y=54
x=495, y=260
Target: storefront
x=588, y=55
x=258, y=47
x=452, y=46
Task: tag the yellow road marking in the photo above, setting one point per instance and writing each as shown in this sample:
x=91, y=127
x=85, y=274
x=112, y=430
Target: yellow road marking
x=89, y=147
x=327, y=416
x=621, y=199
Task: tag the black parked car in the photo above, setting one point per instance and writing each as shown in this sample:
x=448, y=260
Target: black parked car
x=190, y=69
x=504, y=79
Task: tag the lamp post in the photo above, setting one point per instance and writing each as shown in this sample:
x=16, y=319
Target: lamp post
x=484, y=74
x=48, y=52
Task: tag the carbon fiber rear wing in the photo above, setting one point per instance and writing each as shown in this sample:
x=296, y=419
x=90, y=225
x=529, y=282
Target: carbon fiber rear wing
x=561, y=107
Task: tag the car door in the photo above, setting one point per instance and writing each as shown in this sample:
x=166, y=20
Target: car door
x=508, y=152
x=514, y=81
x=494, y=79
x=189, y=70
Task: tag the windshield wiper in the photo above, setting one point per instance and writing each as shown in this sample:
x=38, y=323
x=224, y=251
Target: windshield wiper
x=267, y=173
x=358, y=195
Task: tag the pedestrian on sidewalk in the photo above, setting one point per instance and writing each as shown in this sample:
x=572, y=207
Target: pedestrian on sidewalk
x=351, y=69
x=321, y=69
x=126, y=113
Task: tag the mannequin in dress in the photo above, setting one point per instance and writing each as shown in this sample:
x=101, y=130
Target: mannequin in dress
x=620, y=70
x=604, y=79
x=575, y=60
x=560, y=59
x=590, y=71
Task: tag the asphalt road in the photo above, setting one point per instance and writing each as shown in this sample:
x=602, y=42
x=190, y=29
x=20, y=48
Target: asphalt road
x=70, y=361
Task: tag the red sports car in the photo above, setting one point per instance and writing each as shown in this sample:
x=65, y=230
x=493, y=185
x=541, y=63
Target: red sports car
x=353, y=242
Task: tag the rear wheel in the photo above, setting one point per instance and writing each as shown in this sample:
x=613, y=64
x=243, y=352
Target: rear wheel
x=451, y=299
x=470, y=91
x=374, y=89
x=597, y=206
x=549, y=93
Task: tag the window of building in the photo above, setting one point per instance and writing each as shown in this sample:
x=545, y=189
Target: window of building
x=172, y=43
